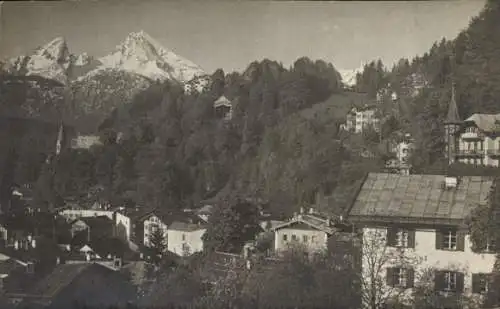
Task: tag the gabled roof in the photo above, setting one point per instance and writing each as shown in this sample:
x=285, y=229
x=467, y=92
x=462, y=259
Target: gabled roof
x=310, y=220
x=186, y=227
x=418, y=198
x=453, y=117
x=62, y=276
x=486, y=122
x=222, y=101
x=97, y=222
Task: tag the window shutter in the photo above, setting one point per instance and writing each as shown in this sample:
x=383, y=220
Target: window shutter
x=391, y=237
x=439, y=280
x=476, y=283
x=460, y=282
x=411, y=239
x=390, y=276
x=439, y=239
x=460, y=240
x=410, y=277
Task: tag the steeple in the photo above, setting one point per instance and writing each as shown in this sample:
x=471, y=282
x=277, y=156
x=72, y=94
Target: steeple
x=60, y=136
x=453, y=116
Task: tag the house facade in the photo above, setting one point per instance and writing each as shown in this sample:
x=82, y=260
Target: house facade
x=122, y=222
x=184, y=238
x=415, y=226
x=475, y=140
x=361, y=118
x=310, y=230
x=223, y=108
x=151, y=223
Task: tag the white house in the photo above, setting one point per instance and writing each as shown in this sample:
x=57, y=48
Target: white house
x=311, y=230
x=152, y=222
x=422, y=218
x=185, y=238
x=121, y=220
x=361, y=118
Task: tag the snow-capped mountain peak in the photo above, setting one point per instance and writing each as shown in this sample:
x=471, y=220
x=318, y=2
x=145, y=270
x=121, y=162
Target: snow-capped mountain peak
x=141, y=54
x=349, y=76
x=57, y=50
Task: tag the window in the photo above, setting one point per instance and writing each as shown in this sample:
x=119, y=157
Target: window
x=313, y=238
x=449, y=281
x=402, y=238
x=480, y=283
x=294, y=237
x=449, y=240
x=305, y=238
x=183, y=237
x=400, y=277
x=285, y=237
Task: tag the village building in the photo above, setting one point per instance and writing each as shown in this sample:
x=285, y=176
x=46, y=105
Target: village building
x=311, y=230
x=360, y=118
x=185, y=237
x=90, y=285
x=223, y=108
x=475, y=140
x=425, y=217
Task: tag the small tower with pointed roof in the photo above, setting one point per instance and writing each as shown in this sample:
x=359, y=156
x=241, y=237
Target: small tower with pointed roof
x=451, y=126
x=60, y=137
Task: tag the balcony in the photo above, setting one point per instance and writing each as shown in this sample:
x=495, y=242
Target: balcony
x=471, y=136
x=494, y=153
x=470, y=153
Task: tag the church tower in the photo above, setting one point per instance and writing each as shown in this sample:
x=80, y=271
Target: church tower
x=451, y=126
x=60, y=139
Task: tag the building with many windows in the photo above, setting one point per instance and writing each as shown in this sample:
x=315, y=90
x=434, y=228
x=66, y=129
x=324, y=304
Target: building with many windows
x=475, y=140
x=360, y=118
x=422, y=219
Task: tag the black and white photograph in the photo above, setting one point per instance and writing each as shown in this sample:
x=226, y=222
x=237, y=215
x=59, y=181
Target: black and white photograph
x=249, y=154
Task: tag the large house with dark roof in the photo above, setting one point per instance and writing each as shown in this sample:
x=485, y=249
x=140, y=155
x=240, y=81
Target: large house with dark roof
x=475, y=140
x=424, y=216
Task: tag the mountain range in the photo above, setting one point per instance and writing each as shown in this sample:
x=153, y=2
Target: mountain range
x=88, y=88
x=138, y=54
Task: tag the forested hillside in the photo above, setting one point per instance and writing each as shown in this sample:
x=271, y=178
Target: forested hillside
x=283, y=143
x=423, y=84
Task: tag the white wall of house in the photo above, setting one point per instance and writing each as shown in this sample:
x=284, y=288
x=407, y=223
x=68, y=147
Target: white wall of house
x=312, y=239
x=73, y=214
x=185, y=243
x=150, y=224
x=125, y=222
x=469, y=141
x=429, y=257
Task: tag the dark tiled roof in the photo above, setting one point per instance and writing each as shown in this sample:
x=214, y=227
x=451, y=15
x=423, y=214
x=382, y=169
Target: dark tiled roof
x=97, y=222
x=7, y=266
x=61, y=277
x=187, y=227
x=417, y=197
x=316, y=221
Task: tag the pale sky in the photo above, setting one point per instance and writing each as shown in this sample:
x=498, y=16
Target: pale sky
x=230, y=35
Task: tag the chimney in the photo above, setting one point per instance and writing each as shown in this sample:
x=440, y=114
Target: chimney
x=450, y=182
x=311, y=211
x=117, y=263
